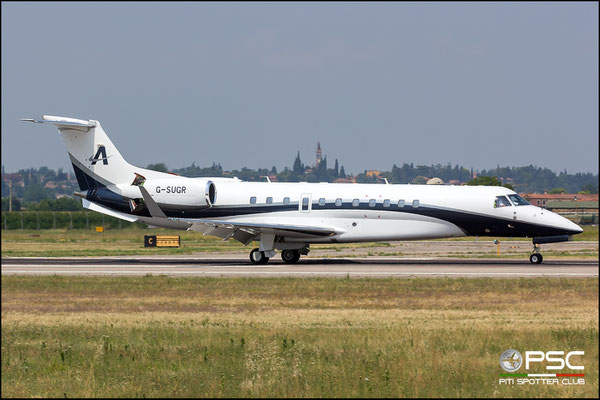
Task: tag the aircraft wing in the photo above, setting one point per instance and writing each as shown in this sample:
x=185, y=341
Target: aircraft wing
x=243, y=232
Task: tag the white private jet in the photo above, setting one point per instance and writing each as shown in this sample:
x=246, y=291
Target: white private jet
x=291, y=216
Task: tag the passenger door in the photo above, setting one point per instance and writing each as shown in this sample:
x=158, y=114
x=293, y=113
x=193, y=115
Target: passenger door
x=305, y=204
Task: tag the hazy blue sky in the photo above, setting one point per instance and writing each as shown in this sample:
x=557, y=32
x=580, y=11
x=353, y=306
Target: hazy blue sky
x=478, y=84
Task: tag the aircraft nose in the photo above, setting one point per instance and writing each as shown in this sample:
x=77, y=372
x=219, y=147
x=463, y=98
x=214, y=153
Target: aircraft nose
x=570, y=226
x=576, y=228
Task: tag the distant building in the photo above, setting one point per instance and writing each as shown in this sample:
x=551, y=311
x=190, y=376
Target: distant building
x=344, y=180
x=12, y=177
x=579, y=208
x=373, y=173
x=319, y=154
x=540, y=200
x=435, y=181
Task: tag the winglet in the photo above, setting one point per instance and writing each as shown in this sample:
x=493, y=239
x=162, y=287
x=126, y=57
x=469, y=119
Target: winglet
x=153, y=208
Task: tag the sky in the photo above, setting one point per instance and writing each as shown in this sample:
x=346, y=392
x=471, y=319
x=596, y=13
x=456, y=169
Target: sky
x=251, y=84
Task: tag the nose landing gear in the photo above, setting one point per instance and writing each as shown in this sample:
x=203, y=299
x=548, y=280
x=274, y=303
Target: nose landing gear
x=536, y=256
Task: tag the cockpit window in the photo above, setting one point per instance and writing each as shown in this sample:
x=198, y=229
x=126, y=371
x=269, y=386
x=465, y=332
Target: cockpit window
x=518, y=200
x=501, y=201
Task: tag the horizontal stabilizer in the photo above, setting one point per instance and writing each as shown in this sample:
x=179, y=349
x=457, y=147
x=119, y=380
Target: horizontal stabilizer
x=63, y=122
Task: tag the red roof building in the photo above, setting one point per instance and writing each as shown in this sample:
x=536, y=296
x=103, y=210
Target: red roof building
x=541, y=199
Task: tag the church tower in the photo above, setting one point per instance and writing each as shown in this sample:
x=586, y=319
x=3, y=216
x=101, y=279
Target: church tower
x=319, y=153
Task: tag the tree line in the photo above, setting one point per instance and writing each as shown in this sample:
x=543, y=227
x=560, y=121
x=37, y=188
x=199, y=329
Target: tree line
x=44, y=189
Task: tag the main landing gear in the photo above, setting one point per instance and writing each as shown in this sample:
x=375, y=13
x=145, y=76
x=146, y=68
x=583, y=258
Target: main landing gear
x=258, y=257
x=262, y=254
x=290, y=256
x=536, y=256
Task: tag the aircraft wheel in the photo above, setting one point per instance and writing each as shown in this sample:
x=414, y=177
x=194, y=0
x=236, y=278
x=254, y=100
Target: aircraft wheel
x=536, y=258
x=290, y=256
x=258, y=257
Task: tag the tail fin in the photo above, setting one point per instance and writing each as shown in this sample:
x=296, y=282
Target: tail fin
x=95, y=159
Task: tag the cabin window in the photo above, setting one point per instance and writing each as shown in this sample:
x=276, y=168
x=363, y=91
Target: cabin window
x=355, y=202
x=518, y=200
x=501, y=201
x=269, y=200
x=286, y=200
x=372, y=202
x=386, y=203
x=322, y=201
x=415, y=203
x=400, y=203
x=338, y=202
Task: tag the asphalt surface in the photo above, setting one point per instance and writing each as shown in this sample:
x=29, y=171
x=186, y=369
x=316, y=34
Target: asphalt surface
x=340, y=267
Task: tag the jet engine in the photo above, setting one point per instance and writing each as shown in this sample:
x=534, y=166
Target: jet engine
x=187, y=192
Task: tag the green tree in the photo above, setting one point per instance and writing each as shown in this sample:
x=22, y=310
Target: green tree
x=298, y=168
x=286, y=175
x=483, y=180
x=590, y=187
x=557, y=190
x=160, y=167
x=34, y=193
x=16, y=204
x=419, y=180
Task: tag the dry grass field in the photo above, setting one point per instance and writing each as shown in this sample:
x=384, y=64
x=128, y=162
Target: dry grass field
x=159, y=336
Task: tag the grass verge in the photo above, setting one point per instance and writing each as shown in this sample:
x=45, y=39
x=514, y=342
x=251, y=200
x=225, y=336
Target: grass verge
x=159, y=336
x=82, y=243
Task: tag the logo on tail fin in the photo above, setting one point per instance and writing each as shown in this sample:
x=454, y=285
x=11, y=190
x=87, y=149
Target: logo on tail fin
x=100, y=156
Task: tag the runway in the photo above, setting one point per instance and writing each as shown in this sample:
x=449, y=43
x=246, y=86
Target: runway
x=334, y=267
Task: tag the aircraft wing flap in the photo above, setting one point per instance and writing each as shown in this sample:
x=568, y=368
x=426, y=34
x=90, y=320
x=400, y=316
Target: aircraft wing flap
x=243, y=237
x=245, y=232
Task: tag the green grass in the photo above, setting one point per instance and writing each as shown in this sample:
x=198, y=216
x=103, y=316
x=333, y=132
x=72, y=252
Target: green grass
x=78, y=243
x=81, y=243
x=159, y=336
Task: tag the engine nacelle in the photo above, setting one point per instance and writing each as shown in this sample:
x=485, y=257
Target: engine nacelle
x=181, y=191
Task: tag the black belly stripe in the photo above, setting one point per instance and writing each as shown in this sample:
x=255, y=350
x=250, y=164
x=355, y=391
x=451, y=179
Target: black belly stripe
x=471, y=224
